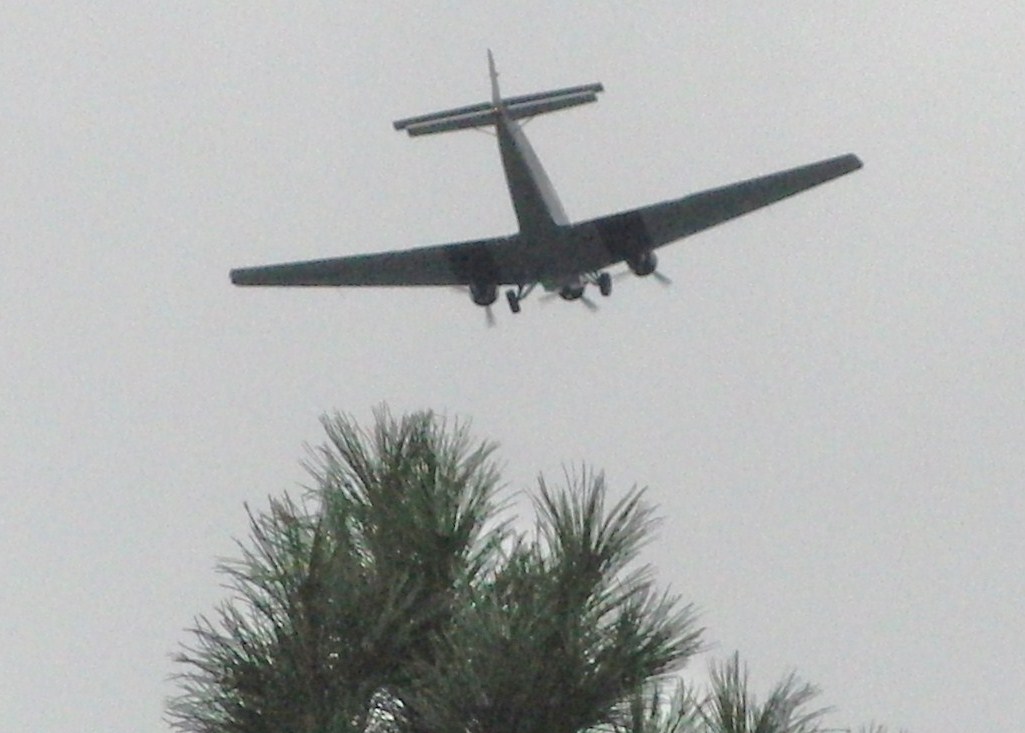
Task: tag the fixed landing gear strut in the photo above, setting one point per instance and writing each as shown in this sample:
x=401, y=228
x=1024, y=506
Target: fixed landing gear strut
x=514, y=300
x=513, y=297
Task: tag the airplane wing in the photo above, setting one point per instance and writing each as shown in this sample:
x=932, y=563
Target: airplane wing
x=499, y=260
x=510, y=260
x=631, y=233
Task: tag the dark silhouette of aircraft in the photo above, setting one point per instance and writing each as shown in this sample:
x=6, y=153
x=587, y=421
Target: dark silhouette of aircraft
x=549, y=250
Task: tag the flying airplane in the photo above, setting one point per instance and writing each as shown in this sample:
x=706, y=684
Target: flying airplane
x=549, y=250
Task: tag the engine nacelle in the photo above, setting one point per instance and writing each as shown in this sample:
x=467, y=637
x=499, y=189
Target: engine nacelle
x=483, y=294
x=571, y=292
x=643, y=264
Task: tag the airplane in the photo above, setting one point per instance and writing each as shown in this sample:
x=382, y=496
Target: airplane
x=549, y=250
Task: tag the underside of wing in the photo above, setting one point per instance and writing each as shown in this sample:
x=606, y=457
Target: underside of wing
x=498, y=260
x=632, y=233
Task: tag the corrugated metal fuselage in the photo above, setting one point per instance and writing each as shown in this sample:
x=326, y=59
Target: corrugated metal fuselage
x=543, y=223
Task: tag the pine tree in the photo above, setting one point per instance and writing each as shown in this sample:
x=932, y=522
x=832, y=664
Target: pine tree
x=395, y=597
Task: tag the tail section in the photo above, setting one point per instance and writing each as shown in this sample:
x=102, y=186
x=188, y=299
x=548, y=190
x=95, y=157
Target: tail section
x=496, y=97
x=486, y=113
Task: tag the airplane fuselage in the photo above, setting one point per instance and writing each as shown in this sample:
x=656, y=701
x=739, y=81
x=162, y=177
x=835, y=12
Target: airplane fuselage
x=539, y=212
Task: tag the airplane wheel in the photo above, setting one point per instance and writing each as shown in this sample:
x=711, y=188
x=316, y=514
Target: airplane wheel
x=605, y=284
x=514, y=302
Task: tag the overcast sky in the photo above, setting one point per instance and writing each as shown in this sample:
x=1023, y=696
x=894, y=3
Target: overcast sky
x=827, y=405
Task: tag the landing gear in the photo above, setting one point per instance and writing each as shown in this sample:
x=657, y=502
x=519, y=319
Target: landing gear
x=514, y=300
x=605, y=284
x=514, y=297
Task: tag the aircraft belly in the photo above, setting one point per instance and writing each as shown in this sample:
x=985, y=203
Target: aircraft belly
x=571, y=252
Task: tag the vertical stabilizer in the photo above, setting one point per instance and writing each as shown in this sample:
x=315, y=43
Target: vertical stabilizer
x=496, y=97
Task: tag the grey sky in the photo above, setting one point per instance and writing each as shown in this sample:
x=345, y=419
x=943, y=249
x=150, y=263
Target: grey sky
x=828, y=405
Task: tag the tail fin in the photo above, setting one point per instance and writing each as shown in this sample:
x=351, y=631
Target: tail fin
x=485, y=113
x=496, y=97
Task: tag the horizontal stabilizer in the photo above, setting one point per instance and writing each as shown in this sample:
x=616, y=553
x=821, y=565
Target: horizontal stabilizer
x=479, y=115
x=464, y=121
x=582, y=89
x=550, y=104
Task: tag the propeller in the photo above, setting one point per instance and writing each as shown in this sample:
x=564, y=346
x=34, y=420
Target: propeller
x=550, y=297
x=489, y=312
x=657, y=275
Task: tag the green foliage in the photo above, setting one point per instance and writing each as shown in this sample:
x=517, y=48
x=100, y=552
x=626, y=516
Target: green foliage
x=394, y=599
x=558, y=636
x=727, y=707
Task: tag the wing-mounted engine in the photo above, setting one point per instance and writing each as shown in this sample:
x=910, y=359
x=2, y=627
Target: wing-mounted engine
x=572, y=291
x=483, y=293
x=642, y=263
x=626, y=238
